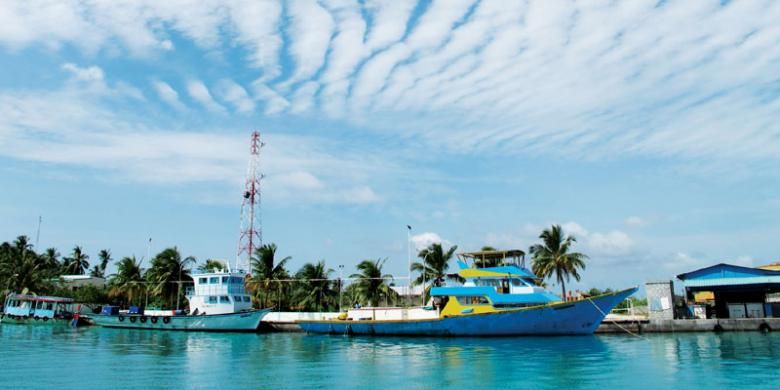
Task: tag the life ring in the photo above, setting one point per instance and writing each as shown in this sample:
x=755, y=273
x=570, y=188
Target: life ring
x=154, y=320
x=121, y=318
x=166, y=320
x=133, y=319
x=143, y=319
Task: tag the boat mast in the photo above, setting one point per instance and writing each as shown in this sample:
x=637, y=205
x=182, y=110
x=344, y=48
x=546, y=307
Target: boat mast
x=251, y=236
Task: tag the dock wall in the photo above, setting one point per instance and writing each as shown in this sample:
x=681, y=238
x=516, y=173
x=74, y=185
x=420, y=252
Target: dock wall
x=708, y=325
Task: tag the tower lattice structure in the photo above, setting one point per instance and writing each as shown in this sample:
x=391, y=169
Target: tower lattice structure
x=251, y=235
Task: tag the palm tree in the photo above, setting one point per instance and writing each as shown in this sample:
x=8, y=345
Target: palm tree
x=77, y=263
x=211, y=265
x=166, y=274
x=266, y=275
x=128, y=282
x=371, y=283
x=552, y=257
x=51, y=259
x=433, y=268
x=314, y=290
x=99, y=270
x=21, y=268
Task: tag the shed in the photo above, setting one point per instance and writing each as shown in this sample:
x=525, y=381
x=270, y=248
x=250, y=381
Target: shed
x=739, y=292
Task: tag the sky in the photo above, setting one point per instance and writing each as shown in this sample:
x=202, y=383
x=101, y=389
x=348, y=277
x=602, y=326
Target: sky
x=647, y=129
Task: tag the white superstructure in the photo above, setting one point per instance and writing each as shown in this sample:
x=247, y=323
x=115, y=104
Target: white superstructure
x=219, y=292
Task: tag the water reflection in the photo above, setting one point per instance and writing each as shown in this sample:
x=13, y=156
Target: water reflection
x=207, y=360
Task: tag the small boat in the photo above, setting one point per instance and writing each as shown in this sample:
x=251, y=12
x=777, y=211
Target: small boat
x=505, y=299
x=218, y=302
x=41, y=310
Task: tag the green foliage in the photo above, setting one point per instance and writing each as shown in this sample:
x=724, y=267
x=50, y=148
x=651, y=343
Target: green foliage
x=371, y=284
x=313, y=291
x=77, y=263
x=127, y=285
x=552, y=257
x=265, y=284
x=211, y=265
x=168, y=269
x=99, y=270
x=22, y=269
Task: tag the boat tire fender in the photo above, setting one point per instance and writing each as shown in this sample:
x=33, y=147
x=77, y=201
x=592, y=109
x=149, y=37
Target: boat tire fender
x=45, y=319
x=121, y=318
x=764, y=328
x=133, y=319
x=166, y=320
x=37, y=318
x=143, y=319
x=154, y=320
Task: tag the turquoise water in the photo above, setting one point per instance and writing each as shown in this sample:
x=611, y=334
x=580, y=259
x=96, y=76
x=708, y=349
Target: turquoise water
x=38, y=357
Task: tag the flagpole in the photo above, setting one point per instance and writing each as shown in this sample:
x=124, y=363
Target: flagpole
x=409, y=256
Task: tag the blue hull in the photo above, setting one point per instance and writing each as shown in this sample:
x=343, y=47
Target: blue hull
x=564, y=318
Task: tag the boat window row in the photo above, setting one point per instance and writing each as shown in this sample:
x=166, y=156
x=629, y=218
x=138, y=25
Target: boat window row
x=472, y=300
x=222, y=280
x=214, y=299
x=35, y=305
x=516, y=282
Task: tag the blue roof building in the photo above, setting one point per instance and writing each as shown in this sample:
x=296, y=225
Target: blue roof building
x=739, y=292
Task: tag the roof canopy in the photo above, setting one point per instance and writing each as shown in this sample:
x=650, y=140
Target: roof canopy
x=729, y=275
x=492, y=255
x=35, y=298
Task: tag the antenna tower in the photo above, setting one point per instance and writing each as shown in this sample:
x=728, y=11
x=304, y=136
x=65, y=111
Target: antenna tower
x=251, y=235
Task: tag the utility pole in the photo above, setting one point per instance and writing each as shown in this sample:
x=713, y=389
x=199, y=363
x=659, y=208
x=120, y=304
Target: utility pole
x=409, y=260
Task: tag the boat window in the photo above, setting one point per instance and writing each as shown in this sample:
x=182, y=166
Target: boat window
x=236, y=298
x=473, y=300
x=49, y=306
x=225, y=280
x=214, y=280
x=247, y=299
x=203, y=280
x=238, y=280
x=212, y=299
x=224, y=299
x=518, y=283
x=39, y=305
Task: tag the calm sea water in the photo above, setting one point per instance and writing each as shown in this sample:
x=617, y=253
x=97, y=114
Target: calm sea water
x=37, y=357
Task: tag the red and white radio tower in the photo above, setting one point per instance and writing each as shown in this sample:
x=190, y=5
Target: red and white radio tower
x=251, y=236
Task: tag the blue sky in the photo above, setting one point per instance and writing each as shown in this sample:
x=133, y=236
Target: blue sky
x=648, y=129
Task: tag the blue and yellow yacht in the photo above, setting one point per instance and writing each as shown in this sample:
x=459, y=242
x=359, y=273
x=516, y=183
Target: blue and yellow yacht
x=500, y=297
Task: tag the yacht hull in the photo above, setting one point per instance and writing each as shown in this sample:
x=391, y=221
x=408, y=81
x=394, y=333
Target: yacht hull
x=563, y=318
x=234, y=322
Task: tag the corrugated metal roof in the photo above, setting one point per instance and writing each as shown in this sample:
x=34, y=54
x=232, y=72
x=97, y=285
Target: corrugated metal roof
x=731, y=281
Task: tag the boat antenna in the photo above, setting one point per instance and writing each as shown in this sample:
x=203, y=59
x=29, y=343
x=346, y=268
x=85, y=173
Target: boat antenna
x=38, y=233
x=251, y=233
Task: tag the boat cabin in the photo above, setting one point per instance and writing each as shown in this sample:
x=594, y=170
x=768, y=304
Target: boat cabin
x=496, y=280
x=219, y=292
x=38, y=307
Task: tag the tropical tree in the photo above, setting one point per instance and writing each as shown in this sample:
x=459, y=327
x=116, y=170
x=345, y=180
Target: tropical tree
x=267, y=274
x=434, y=265
x=99, y=270
x=77, y=263
x=21, y=268
x=313, y=290
x=211, y=265
x=552, y=257
x=51, y=259
x=168, y=270
x=128, y=282
x=371, y=283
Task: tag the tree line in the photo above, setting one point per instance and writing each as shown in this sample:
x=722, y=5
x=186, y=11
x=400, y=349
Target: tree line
x=271, y=284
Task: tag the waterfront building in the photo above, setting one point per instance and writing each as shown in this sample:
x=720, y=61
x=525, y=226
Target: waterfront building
x=735, y=291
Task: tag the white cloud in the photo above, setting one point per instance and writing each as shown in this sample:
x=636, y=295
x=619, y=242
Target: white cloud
x=198, y=91
x=634, y=221
x=424, y=240
x=236, y=95
x=691, y=80
x=168, y=95
x=90, y=73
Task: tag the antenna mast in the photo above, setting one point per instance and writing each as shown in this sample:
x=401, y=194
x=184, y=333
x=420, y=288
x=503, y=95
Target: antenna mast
x=251, y=235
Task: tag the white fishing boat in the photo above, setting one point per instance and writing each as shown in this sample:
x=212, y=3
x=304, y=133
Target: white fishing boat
x=218, y=302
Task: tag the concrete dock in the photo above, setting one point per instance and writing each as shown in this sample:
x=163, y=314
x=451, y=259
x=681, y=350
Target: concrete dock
x=698, y=325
